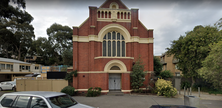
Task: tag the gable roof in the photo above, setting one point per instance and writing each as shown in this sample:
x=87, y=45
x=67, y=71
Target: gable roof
x=107, y=3
x=12, y=61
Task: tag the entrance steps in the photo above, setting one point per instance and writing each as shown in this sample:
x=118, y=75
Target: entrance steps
x=115, y=93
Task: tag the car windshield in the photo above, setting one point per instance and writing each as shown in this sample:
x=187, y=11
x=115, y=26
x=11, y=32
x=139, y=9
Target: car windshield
x=13, y=82
x=62, y=101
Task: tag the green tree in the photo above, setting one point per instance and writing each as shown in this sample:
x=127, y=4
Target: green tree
x=212, y=66
x=67, y=56
x=60, y=37
x=166, y=74
x=42, y=47
x=219, y=23
x=19, y=29
x=193, y=48
x=157, y=65
x=6, y=10
x=138, y=75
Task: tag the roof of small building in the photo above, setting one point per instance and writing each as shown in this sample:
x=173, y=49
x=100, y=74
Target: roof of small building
x=12, y=60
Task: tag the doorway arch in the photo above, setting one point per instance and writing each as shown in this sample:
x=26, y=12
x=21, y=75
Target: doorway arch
x=115, y=68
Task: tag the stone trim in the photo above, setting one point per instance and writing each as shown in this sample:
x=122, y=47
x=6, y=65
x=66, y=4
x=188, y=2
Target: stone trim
x=114, y=3
x=115, y=20
x=114, y=27
x=113, y=57
x=89, y=38
x=118, y=63
x=135, y=28
x=126, y=90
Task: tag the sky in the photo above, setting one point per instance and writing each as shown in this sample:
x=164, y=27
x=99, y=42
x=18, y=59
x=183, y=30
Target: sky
x=169, y=18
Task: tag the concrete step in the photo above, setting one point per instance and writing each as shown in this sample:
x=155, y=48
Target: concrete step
x=115, y=93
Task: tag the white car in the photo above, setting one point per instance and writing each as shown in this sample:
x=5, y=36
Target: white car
x=39, y=99
x=9, y=85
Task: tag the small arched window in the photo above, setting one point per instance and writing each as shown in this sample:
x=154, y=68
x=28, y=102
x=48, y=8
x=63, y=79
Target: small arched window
x=114, y=45
x=115, y=68
x=114, y=7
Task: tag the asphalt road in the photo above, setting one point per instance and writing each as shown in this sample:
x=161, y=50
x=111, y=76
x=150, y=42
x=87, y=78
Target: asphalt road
x=139, y=101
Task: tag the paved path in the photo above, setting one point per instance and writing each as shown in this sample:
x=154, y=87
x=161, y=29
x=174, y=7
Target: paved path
x=203, y=96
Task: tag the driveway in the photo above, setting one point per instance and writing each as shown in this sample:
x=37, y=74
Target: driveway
x=139, y=101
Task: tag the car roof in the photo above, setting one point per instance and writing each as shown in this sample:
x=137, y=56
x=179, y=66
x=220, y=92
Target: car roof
x=37, y=93
x=8, y=82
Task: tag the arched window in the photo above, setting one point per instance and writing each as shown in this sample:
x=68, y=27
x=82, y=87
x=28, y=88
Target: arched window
x=114, y=7
x=115, y=68
x=114, y=45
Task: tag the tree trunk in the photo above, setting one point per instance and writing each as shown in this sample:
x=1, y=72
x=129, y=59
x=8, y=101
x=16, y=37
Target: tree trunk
x=193, y=82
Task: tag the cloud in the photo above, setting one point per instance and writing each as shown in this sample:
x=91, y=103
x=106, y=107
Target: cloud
x=169, y=18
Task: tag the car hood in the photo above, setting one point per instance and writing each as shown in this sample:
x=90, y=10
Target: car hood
x=81, y=106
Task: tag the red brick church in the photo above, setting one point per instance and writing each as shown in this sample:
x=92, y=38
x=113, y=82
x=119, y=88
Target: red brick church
x=106, y=45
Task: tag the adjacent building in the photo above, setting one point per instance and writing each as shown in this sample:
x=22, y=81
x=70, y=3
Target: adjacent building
x=11, y=67
x=170, y=63
x=106, y=45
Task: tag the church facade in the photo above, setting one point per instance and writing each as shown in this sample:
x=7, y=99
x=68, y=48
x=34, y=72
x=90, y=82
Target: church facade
x=106, y=45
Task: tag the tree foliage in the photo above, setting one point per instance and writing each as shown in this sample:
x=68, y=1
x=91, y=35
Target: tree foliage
x=67, y=56
x=166, y=74
x=157, y=66
x=43, y=48
x=193, y=48
x=212, y=66
x=17, y=32
x=137, y=76
x=6, y=10
x=60, y=37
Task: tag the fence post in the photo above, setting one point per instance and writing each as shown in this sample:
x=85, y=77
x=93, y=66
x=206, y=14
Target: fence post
x=184, y=91
x=187, y=91
x=190, y=91
x=199, y=91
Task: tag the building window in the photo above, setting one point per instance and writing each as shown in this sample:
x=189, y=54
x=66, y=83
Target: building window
x=114, y=45
x=22, y=67
x=2, y=66
x=8, y=66
x=114, y=7
x=115, y=68
x=36, y=67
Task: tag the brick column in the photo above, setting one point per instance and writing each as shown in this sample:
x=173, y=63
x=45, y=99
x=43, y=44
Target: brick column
x=92, y=20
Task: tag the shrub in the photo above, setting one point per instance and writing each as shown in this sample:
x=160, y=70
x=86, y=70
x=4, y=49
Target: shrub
x=185, y=84
x=165, y=88
x=137, y=76
x=68, y=90
x=166, y=74
x=92, y=92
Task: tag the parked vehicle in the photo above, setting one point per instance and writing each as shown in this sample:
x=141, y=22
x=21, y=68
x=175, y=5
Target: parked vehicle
x=8, y=85
x=32, y=75
x=39, y=99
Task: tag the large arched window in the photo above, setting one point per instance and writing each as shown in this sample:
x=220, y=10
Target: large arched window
x=114, y=45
